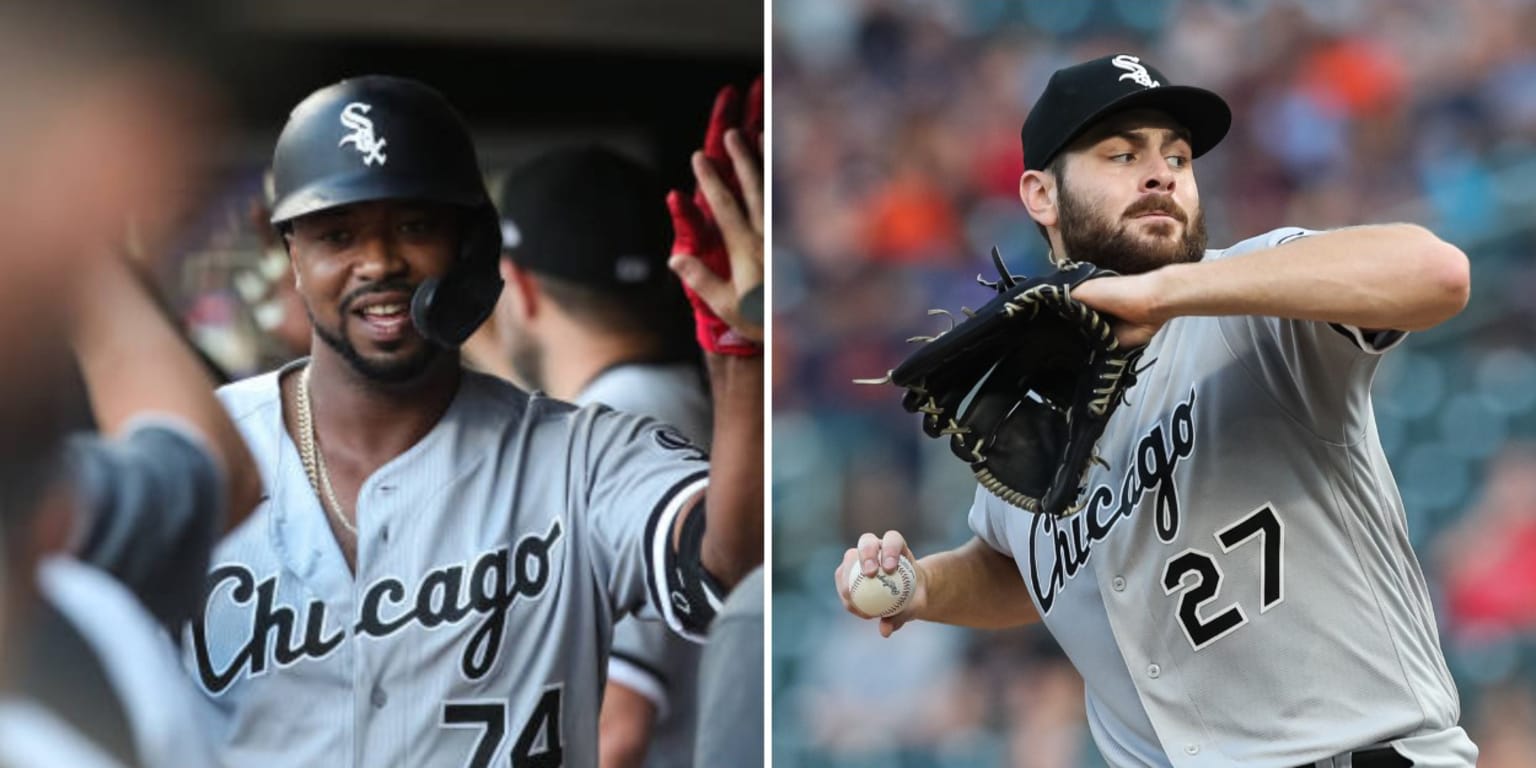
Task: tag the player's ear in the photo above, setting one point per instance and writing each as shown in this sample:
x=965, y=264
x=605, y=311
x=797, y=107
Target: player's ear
x=1038, y=191
x=521, y=290
x=293, y=265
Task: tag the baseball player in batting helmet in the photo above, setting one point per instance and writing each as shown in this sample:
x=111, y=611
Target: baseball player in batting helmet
x=1238, y=587
x=434, y=572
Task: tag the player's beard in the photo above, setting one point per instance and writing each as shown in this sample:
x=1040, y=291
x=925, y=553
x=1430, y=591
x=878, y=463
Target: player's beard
x=1087, y=235
x=390, y=370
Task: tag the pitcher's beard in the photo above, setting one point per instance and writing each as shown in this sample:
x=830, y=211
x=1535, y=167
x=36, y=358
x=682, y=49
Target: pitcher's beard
x=1087, y=236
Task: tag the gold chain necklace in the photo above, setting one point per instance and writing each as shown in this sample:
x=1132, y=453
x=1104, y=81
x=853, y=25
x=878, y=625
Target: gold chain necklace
x=314, y=463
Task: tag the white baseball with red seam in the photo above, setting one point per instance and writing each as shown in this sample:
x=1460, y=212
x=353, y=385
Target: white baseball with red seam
x=883, y=594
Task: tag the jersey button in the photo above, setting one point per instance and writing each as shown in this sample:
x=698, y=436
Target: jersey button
x=378, y=698
x=1118, y=583
x=384, y=533
x=1191, y=749
x=1153, y=671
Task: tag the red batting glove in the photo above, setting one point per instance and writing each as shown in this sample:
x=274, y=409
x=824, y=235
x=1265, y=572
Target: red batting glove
x=725, y=116
x=698, y=236
x=693, y=223
x=752, y=126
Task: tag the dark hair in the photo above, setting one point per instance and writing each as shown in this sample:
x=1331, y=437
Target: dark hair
x=658, y=315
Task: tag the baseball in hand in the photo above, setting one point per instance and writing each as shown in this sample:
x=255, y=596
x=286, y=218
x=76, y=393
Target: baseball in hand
x=883, y=594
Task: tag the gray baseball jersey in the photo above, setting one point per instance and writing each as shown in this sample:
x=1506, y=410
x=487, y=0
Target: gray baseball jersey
x=137, y=657
x=493, y=558
x=1239, y=588
x=647, y=657
x=148, y=504
x=673, y=394
x=731, y=686
x=31, y=736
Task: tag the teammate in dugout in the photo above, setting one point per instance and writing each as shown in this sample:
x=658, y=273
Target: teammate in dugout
x=433, y=574
x=1239, y=587
x=591, y=314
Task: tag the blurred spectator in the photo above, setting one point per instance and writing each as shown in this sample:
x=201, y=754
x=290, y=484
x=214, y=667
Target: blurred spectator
x=1490, y=555
x=1509, y=740
x=280, y=311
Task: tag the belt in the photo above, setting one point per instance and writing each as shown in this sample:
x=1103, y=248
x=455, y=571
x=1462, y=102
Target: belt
x=1376, y=757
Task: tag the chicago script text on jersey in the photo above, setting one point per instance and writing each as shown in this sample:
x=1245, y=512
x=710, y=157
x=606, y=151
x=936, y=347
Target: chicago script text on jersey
x=496, y=579
x=1155, y=458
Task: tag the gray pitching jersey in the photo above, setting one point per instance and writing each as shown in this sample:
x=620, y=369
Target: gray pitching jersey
x=1239, y=588
x=493, y=558
x=647, y=657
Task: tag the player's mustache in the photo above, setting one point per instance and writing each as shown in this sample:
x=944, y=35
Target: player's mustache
x=388, y=286
x=1156, y=205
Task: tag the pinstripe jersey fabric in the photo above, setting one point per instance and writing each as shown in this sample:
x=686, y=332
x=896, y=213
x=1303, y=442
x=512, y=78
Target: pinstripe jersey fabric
x=1240, y=588
x=493, y=558
x=647, y=657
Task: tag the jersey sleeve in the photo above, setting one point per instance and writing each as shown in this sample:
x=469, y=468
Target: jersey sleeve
x=150, y=503
x=1319, y=372
x=643, y=659
x=641, y=476
x=1366, y=340
x=987, y=523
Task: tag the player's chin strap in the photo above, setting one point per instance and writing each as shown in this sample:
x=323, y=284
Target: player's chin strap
x=695, y=593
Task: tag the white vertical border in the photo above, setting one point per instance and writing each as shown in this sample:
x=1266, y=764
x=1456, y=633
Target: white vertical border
x=768, y=334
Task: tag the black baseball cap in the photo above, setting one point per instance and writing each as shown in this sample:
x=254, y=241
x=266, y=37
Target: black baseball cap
x=588, y=215
x=1079, y=96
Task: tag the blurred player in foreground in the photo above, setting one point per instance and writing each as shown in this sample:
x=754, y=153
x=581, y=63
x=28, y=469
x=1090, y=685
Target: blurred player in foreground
x=105, y=537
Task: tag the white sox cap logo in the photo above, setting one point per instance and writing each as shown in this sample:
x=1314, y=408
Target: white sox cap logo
x=354, y=117
x=511, y=236
x=1134, y=70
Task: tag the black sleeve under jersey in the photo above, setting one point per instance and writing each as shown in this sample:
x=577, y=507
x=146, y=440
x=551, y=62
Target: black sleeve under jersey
x=151, y=503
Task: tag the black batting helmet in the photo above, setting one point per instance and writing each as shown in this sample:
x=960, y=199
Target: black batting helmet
x=389, y=138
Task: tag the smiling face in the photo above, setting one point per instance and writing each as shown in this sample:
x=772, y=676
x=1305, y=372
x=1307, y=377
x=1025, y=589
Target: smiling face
x=1125, y=197
x=356, y=268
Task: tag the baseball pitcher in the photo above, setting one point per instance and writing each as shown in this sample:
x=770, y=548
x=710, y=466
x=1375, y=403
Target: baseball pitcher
x=1229, y=567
